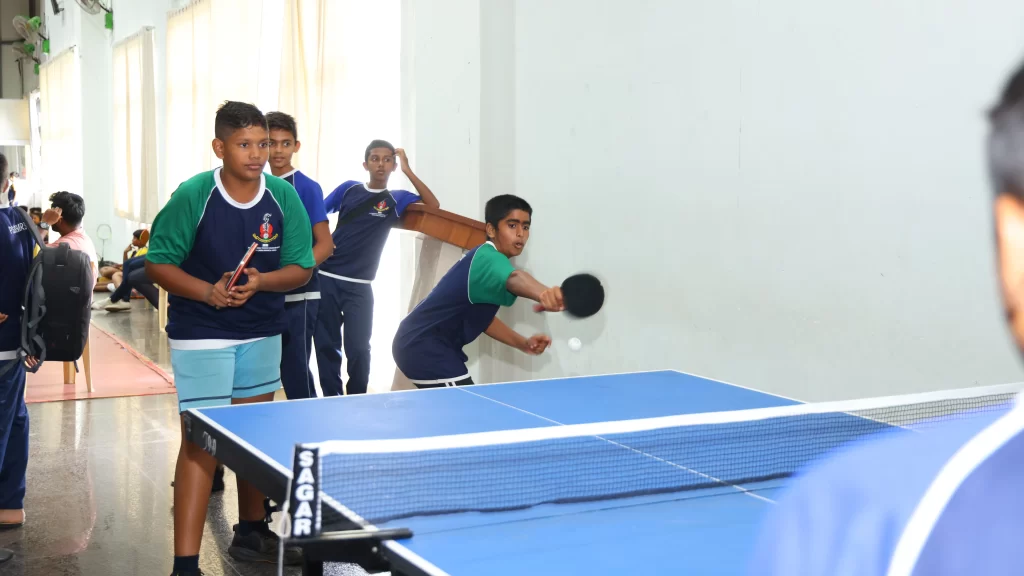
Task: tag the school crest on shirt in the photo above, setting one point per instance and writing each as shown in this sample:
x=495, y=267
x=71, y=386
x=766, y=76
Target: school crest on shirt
x=266, y=234
x=381, y=206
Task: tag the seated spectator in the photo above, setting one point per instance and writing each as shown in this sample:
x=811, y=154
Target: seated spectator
x=135, y=279
x=134, y=259
x=65, y=218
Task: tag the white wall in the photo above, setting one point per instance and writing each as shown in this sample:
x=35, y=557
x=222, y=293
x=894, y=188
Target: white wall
x=789, y=198
x=97, y=134
x=14, y=123
x=64, y=28
x=441, y=97
x=792, y=199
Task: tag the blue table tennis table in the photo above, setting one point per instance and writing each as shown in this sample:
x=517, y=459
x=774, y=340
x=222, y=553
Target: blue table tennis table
x=660, y=533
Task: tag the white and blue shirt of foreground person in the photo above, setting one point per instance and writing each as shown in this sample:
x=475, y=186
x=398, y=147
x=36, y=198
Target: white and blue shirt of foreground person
x=946, y=502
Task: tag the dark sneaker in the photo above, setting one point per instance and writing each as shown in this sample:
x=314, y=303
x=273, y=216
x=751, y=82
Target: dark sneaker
x=269, y=508
x=218, y=480
x=261, y=545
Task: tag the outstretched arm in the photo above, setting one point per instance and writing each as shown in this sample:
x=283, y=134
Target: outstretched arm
x=522, y=284
x=425, y=194
x=506, y=335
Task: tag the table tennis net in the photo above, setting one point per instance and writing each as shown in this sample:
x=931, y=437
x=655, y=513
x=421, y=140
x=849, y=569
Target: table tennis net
x=384, y=480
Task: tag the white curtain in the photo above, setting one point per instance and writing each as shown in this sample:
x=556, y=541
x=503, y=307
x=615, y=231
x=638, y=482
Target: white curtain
x=216, y=50
x=60, y=119
x=340, y=80
x=134, y=99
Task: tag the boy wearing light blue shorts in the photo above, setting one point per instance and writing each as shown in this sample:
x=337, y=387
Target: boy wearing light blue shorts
x=226, y=344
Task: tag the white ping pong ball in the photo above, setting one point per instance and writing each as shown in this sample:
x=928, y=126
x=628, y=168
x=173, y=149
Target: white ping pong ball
x=575, y=344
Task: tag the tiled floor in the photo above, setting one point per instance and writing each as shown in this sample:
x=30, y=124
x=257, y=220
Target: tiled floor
x=99, y=496
x=139, y=328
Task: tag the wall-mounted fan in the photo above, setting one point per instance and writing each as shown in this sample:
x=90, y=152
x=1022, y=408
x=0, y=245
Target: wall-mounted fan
x=26, y=51
x=31, y=30
x=95, y=7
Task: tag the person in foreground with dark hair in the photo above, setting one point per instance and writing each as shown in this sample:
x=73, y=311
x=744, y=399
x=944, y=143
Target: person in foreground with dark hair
x=16, y=247
x=428, y=345
x=65, y=215
x=946, y=502
x=300, y=305
x=366, y=214
x=226, y=344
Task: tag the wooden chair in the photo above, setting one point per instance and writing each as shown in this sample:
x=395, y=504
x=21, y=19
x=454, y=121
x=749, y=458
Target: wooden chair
x=69, y=369
x=162, y=313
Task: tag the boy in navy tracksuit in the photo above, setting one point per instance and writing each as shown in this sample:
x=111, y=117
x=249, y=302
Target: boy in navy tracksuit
x=16, y=246
x=366, y=214
x=301, y=304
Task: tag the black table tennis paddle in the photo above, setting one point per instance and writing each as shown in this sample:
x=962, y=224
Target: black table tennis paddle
x=583, y=295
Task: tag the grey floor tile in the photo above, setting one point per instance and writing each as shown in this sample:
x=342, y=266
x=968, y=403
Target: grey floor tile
x=139, y=328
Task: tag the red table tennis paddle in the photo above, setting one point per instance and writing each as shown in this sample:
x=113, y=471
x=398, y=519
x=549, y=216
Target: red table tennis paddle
x=242, y=265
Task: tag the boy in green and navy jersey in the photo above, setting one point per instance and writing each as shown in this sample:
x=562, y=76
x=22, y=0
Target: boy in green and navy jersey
x=226, y=345
x=428, y=345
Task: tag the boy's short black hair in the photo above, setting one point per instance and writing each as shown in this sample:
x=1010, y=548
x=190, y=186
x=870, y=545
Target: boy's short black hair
x=3, y=164
x=232, y=116
x=282, y=121
x=72, y=206
x=377, y=144
x=137, y=233
x=1006, y=138
x=500, y=207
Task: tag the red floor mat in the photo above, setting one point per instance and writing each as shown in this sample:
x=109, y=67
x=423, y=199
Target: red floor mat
x=117, y=370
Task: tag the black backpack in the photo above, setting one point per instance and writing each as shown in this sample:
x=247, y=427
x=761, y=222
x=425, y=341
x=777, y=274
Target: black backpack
x=56, y=306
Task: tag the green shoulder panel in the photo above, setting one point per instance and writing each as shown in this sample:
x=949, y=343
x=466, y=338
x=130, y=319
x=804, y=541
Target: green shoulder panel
x=488, y=273
x=174, y=229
